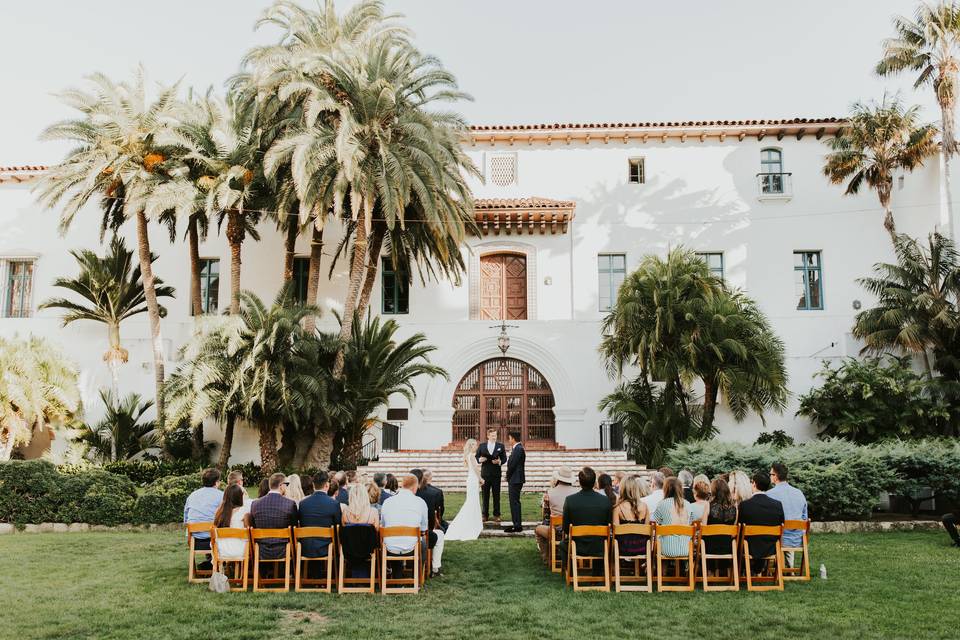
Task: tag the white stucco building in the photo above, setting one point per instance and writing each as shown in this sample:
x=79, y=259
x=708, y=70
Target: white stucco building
x=565, y=210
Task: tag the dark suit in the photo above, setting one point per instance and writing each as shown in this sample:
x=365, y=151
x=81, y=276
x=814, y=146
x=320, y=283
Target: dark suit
x=318, y=510
x=434, y=499
x=516, y=476
x=491, y=474
x=762, y=510
x=273, y=511
x=586, y=508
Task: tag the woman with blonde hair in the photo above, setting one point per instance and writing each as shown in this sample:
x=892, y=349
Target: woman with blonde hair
x=740, y=487
x=358, y=509
x=468, y=522
x=294, y=488
x=631, y=509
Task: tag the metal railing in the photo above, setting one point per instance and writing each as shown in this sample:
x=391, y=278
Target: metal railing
x=390, y=438
x=775, y=184
x=368, y=453
x=612, y=437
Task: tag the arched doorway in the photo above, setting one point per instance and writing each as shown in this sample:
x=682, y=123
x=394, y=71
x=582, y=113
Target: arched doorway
x=507, y=394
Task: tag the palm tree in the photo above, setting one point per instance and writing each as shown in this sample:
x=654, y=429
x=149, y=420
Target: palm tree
x=38, y=389
x=735, y=351
x=121, y=435
x=118, y=157
x=112, y=291
x=930, y=45
x=878, y=140
x=376, y=366
x=918, y=305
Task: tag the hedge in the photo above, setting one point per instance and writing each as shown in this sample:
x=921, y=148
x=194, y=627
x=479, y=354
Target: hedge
x=162, y=501
x=839, y=478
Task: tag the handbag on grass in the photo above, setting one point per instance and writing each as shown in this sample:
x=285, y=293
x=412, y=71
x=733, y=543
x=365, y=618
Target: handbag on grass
x=219, y=582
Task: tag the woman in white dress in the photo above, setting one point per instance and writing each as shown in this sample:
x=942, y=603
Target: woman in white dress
x=468, y=523
x=231, y=514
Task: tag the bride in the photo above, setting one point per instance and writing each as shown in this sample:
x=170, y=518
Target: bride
x=468, y=523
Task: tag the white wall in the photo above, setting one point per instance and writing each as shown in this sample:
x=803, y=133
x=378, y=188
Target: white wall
x=702, y=195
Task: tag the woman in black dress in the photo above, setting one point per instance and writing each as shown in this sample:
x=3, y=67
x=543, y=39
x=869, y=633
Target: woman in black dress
x=723, y=510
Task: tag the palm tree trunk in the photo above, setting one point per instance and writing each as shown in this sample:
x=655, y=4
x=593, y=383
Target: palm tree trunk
x=313, y=279
x=268, y=448
x=114, y=356
x=193, y=237
x=153, y=311
x=710, y=391
x=6, y=443
x=884, y=193
x=353, y=290
x=376, y=242
x=290, y=248
x=947, y=147
x=321, y=451
x=227, y=443
x=235, y=237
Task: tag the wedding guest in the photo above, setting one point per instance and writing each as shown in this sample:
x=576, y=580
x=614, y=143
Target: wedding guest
x=762, y=510
x=273, y=511
x=701, y=499
x=318, y=510
x=264, y=487
x=306, y=483
x=201, y=506
x=618, y=479
x=722, y=510
x=236, y=477
x=553, y=501
x=950, y=521
x=435, y=523
x=380, y=479
x=643, y=485
x=343, y=481
x=605, y=485
x=667, y=472
x=673, y=509
x=794, y=506
x=630, y=509
x=294, y=488
x=652, y=499
x=333, y=489
x=232, y=514
x=390, y=487
x=740, y=486
x=373, y=493
x=358, y=509
x=586, y=507
x=404, y=510
x=686, y=479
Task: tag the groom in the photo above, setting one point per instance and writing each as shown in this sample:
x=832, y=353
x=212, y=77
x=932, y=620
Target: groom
x=515, y=479
x=491, y=455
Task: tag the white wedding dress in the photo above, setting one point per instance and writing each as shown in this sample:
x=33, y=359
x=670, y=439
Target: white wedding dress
x=468, y=522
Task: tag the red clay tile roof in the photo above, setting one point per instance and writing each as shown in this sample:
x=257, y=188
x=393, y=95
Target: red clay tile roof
x=522, y=203
x=654, y=125
x=33, y=167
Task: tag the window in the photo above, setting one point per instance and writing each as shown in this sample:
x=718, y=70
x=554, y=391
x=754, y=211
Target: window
x=611, y=269
x=636, y=174
x=502, y=170
x=301, y=277
x=808, y=283
x=18, y=291
x=209, y=284
x=771, y=171
x=714, y=262
x=396, y=294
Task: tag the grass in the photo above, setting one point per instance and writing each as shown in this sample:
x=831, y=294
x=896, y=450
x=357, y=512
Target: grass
x=132, y=585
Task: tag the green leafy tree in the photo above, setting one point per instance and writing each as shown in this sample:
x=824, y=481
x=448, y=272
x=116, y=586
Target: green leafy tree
x=878, y=140
x=111, y=290
x=121, y=435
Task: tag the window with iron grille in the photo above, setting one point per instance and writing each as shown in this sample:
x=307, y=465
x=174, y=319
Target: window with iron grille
x=18, y=289
x=396, y=294
x=771, y=171
x=502, y=169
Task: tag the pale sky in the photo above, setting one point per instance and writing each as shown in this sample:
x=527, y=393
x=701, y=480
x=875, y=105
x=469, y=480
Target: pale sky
x=523, y=61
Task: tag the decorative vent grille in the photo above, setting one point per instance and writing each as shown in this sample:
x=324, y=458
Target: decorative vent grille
x=503, y=169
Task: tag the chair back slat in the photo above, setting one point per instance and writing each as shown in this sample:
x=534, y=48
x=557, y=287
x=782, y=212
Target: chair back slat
x=756, y=530
x=589, y=530
x=719, y=530
x=675, y=530
x=797, y=525
x=390, y=532
x=632, y=529
x=231, y=532
x=199, y=527
x=300, y=533
x=556, y=521
x=259, y=534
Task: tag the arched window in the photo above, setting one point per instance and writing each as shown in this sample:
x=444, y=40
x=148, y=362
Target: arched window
x=771, y=171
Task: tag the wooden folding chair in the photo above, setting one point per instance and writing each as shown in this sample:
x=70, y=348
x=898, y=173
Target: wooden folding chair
x=761, y=582
x=427, y=559
x=795, y=572
x=301, y=582
x=240, y=565
x=580, y=583
x=261, y=534
x=719, y=583
x=677, y=581
x=397, y=584
x=345, y=583
x=556, y=562
x=194, y=575
x=637, y=581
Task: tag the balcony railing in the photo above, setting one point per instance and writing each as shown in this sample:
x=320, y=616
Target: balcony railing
x=611, y=436
x=775, y=185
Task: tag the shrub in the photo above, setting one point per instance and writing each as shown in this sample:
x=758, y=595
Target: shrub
x=917, y=466
x=143, y=472
x=96, y=497
x=29, y=491
x=162, y=501
x=778, y=439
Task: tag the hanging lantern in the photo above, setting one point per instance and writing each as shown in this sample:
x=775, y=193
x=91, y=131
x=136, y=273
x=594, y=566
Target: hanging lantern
x=504, y=340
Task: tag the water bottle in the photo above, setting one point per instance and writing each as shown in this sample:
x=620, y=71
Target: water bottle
x=823, y=572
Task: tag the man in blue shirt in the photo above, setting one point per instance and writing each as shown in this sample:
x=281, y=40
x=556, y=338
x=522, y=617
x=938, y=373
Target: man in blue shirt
x=794, y=506
x=201, y=506
x=318, y=510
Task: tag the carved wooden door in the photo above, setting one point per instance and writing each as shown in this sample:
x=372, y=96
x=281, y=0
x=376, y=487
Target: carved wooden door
x=503, y=287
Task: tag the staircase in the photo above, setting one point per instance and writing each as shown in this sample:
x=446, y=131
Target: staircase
x=450, y=475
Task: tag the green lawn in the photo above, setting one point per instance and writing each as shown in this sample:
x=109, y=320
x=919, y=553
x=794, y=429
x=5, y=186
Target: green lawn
x=131, y=585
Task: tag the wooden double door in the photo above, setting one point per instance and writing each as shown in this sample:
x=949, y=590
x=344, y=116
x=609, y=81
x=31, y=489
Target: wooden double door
x=503, y=286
